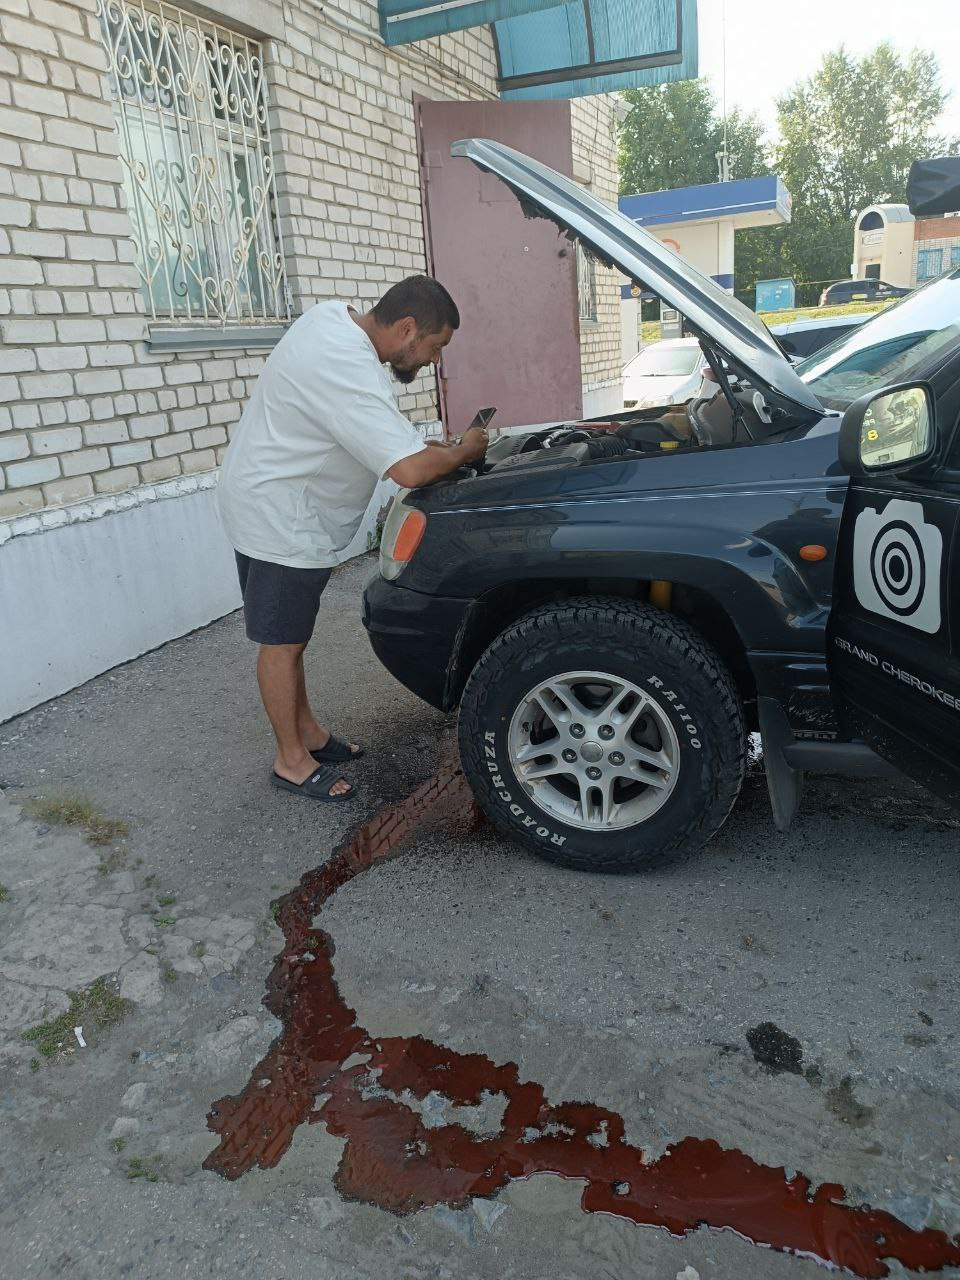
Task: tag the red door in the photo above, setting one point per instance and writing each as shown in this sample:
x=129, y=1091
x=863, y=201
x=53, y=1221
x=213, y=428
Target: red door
x=513, y=278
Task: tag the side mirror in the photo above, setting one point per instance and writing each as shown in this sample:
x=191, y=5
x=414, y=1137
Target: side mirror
x=889, y=430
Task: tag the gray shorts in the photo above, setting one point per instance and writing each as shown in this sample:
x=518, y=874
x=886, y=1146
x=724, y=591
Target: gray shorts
x=279, y=603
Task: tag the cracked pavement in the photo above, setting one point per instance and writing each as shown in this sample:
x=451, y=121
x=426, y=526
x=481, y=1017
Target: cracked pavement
x=635, y=993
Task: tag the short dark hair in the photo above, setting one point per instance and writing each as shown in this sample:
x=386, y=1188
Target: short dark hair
x=421, y=297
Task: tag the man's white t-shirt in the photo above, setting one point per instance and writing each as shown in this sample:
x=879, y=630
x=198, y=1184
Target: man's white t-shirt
x=320, y=429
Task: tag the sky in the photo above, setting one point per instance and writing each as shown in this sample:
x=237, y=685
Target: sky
x=770, y=44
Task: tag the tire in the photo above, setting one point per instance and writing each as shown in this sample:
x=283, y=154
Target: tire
x=681, y=717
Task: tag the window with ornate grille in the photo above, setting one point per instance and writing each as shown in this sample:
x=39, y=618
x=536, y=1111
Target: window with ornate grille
x=191, y=105
x=587, y=284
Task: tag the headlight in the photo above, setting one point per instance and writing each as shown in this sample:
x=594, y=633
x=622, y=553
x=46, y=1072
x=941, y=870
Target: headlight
x=402, y=532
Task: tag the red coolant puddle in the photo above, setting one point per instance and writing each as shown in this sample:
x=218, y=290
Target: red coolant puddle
x=393, y=1160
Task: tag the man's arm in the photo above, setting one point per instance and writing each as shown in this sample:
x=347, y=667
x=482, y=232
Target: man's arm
x=430, y=465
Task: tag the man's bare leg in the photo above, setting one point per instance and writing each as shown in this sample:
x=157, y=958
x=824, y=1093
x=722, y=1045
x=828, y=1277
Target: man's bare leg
x=312, y=733
x=279, y=675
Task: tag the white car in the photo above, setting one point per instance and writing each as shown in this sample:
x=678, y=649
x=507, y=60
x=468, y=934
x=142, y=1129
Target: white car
x=663, y=373
x=801, y=338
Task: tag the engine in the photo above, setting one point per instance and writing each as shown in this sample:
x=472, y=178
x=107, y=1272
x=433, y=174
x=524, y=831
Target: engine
x=582, y=443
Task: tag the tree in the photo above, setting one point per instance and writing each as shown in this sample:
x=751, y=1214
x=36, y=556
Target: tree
x=847, y=138
x=672, y=134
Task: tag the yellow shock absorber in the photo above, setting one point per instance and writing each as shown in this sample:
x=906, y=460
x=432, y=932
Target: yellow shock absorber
x=661, y=594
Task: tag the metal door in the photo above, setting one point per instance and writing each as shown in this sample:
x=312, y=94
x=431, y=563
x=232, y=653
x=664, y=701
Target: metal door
x=893, y=638
x=513, y=278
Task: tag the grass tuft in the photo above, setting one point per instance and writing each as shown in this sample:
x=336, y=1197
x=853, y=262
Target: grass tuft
x=73, y=809
x=138, y=1168
x=98, y=1005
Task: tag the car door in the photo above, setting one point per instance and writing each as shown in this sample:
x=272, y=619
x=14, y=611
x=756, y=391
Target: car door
x=893, y=639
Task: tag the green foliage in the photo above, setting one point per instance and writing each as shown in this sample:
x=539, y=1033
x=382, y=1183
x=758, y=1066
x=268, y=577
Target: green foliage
x=5, y=894
x=98, y=1005
x=846, y=139
x=672, y=134
x=138, y=1168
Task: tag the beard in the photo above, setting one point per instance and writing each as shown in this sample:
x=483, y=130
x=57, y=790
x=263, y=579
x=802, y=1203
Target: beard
x=403, y=366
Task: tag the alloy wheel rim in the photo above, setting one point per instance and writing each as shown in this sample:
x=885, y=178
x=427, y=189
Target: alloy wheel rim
x=594, y=750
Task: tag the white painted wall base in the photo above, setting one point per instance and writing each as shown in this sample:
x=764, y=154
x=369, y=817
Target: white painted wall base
x=104, y=585
x=603, y=399
x=82, y=598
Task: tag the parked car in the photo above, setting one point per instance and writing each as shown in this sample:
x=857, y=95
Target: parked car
x=801, y=338
x=663, y=373
x=614, y=611
x=869, y=290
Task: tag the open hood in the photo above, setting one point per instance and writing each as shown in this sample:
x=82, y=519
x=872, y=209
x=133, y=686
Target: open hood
x=617, y=241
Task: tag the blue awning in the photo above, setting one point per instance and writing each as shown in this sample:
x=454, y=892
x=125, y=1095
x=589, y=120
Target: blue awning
x=403, y=21
x=546, y=50
x=596, y=46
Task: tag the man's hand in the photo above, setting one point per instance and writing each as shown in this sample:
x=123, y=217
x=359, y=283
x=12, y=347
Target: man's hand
x=475, y=440
x=430, y=465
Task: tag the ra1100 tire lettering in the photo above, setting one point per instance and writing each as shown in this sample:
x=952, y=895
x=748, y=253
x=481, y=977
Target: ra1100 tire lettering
x=680, y=709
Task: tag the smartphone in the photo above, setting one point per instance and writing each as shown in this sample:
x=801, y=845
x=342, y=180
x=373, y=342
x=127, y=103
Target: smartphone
x=483, y=417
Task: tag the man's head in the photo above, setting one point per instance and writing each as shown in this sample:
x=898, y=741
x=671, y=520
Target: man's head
x=413, y=322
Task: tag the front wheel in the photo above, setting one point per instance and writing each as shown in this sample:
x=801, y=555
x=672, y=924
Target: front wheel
x=603, y=734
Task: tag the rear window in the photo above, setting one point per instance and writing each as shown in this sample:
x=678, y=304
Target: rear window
x=668, y=362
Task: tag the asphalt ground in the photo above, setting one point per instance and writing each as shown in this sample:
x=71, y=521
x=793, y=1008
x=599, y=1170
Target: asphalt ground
x=640, y=995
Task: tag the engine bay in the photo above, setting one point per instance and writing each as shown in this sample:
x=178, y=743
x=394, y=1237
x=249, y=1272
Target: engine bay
x=590, y=441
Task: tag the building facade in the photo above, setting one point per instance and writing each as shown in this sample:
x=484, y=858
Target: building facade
x=176, y=184
x=891, y=244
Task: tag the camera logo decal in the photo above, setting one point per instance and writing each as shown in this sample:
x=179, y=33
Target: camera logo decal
x=896, y=564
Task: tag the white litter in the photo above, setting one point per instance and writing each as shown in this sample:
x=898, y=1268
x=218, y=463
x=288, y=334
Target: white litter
x=688, y=1273
x=78, y=1032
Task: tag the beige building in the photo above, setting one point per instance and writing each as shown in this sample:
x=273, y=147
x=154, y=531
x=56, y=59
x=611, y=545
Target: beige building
x=175, y=185
x=891, y=245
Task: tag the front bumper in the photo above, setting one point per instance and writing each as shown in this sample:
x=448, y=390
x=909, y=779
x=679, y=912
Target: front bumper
x=416, y=637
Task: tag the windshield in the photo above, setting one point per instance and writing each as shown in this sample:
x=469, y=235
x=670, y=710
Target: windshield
x=895, y=346
x=664, y=362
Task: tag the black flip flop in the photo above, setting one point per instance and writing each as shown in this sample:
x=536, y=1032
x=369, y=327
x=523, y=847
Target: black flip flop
x=335, y=752
x=316, y=787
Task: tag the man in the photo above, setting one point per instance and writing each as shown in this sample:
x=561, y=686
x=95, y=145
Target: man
x=321, y=428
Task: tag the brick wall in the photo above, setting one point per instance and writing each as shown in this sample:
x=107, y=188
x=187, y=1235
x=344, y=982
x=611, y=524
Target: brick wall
x=85, y=408
x=935, y=233
x=595, y=164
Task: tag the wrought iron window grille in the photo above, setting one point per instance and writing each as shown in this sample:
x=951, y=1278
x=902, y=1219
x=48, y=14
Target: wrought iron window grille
x=192, y=111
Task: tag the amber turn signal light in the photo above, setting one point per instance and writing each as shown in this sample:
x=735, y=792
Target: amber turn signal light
x=408, y=539
x=812, y=552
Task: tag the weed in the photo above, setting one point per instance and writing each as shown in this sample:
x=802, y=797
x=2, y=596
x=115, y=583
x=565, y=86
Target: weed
x=169, y=975
x=137, y=1168
x=73, y=809
x=313, y=943
x=98, y=1005
x=166, y=900
x=34, y=1064
x=118, y=1144
x=115, y=860
x=5, y=894
x=163, y=922
x=275, y=910
x=151, y=951
x=151, y=882
x=199, y=949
